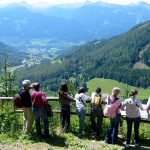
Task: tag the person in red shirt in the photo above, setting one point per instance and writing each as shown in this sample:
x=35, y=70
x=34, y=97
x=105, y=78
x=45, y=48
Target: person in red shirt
x=39, y=103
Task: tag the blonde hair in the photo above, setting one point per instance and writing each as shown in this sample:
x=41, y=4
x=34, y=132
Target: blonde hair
x=116, y=90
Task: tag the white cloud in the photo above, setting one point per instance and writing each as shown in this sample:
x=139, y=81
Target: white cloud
x=44, y=3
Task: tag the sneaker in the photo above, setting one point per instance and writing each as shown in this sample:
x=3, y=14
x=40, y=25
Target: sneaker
x=83, y=133
x=127, y=145
x=137, y=145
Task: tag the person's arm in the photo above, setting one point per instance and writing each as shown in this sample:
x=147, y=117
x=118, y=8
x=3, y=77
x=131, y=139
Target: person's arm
x=103, y=100
x=92, y=97
x=139, y=104
x=148, y=108
x=123, y=105
x=44, y=98
x=68, y=97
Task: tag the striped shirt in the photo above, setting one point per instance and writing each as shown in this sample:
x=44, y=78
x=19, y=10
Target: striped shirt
x=133, y=107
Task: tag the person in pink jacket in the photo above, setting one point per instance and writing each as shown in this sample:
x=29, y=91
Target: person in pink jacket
x=39, y=104
x=112, y=111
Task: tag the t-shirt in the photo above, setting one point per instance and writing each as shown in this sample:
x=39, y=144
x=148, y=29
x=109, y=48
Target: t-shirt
x=132, y=107
x=38, y=99
x=81, y=100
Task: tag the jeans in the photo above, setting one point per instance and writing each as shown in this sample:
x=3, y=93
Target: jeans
x=40, y=114
x=96, y=119
x=81, y=114
x=112, y=134
x=136, y=122
x=65, y=117
x=28, y=119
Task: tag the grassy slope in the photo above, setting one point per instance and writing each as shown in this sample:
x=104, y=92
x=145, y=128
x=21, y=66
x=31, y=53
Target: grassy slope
x=108, y=84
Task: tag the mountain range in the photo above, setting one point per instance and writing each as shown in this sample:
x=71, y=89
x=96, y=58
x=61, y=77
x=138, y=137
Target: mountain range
x=14, y=56
x=70, y=23
x=125, y=58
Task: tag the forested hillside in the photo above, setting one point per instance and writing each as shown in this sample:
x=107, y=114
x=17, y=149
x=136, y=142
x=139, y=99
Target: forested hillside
x=114, y=59
x=15, y=57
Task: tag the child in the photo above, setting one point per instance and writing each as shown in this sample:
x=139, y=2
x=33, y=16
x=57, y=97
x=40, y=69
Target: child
x=81, y=99
x=132, y=105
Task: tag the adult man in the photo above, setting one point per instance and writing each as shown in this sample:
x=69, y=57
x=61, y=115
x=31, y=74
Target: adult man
x=27, y=105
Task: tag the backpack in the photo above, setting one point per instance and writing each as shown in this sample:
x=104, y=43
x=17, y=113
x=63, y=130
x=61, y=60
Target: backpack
x=49, y=110
x=97, y=101
x=111, y=108
x=17, y=101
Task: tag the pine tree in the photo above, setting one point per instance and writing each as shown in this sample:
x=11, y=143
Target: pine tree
x=7, y=80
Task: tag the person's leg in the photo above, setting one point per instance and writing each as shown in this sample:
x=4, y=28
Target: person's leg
x=68, y=118
x=109, y=133
x=45, y=120
x=81, y=115
x=136, y=130
x=129, y=129
x=115, y=129
x=99, y=121
x=92, y=118
x=24, y=119
x=82, y=119
x=63, y=116
x=29, y=119
x=36, y=113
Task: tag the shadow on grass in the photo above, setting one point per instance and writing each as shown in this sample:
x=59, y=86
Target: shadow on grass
x=54, y=140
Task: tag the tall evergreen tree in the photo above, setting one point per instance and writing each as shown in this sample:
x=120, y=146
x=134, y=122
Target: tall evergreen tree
x=7, y=80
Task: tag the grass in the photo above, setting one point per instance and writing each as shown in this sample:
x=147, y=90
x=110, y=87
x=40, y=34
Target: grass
x=108, y=84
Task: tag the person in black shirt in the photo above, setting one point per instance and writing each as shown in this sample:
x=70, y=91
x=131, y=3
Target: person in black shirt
x=27, y=106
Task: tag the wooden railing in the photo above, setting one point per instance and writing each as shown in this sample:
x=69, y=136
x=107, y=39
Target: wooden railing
x=55, y=99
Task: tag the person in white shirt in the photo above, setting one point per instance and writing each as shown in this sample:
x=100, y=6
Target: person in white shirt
x=133, y=106
x=148, y=107
x=81, y=99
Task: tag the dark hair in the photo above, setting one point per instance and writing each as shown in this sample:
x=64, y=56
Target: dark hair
x=133, y=93
x=81, y=90
x=98, y=89
x=64, y=87
x=36, y=86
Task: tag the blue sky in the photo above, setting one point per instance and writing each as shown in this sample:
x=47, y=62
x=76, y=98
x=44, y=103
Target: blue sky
x=45, y=3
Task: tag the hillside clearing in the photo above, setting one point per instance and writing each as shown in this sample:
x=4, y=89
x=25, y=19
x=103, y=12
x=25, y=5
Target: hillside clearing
x=108, y=84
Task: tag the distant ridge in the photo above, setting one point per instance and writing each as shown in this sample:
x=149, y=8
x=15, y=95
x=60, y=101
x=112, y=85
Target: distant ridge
x=114, y=58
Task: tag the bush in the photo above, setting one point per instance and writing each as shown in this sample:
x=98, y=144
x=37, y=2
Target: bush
x=9, y=120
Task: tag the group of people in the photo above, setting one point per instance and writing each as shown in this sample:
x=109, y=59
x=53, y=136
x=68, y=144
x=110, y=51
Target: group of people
x=34, y=108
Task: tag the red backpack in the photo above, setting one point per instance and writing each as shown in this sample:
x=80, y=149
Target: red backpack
x=17, y=101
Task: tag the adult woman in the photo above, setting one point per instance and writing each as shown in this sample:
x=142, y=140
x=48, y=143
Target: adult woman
x=132, y=105
x=81, y=98
x=112, y=110
x=65, y=98
x=96, y=112
x=39, y=104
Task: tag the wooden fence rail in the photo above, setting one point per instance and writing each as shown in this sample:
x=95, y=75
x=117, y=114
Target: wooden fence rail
x=55, y=99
